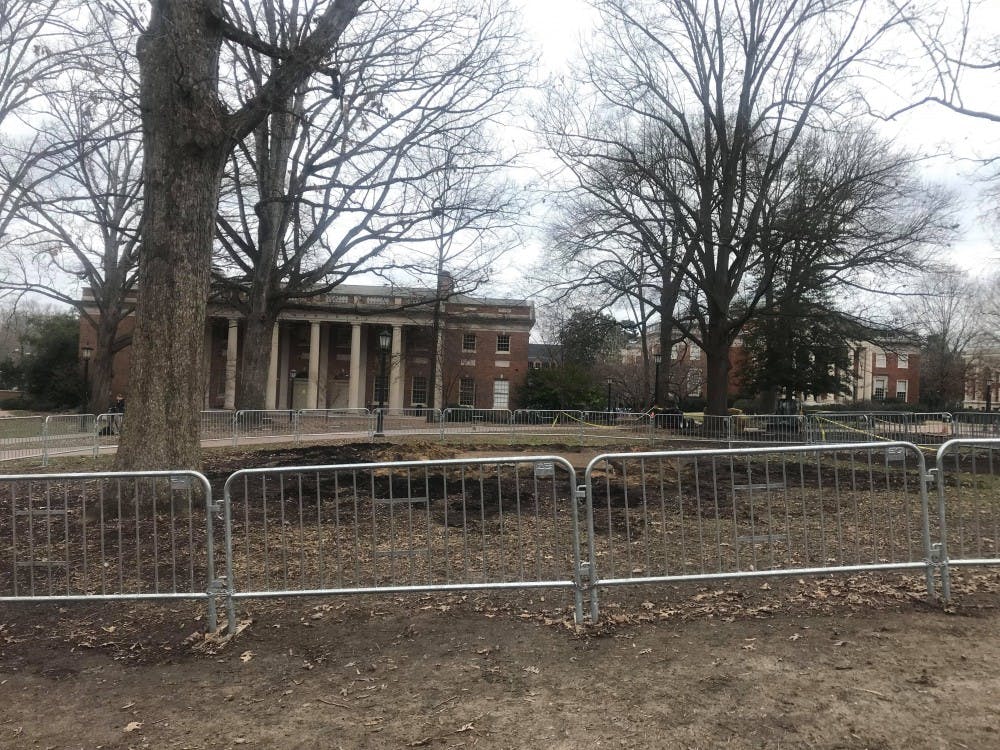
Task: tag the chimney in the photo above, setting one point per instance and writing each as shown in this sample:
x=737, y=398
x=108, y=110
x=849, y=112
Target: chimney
x=446, y=284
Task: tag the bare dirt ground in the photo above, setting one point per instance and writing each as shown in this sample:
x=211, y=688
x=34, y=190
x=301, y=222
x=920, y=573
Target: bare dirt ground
x=859, y=662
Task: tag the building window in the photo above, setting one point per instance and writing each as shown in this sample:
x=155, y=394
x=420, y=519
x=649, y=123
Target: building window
x=903, y=361
x=879, y=388
x=501, y=394
x=381, y=389
x=468, y=342
x=536, y=365
x=418, y=391
x=695, y=353
x=901, y=388
x=880, y=360
x=467, y=392
x=503, y=342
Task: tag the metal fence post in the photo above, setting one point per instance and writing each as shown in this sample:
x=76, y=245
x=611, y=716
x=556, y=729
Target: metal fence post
x=236, y=428
x=45, y=441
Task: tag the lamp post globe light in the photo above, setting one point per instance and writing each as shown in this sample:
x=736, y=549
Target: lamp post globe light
x=384, y=342
x=86, y=352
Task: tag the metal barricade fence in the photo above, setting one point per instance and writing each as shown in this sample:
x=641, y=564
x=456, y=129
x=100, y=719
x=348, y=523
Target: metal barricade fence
x=356, y=422
x=768, y=428
x=549, y=423
x=218, y=424
x=842, y=427
x=613, y=425
x=68, y=433
x=931, y=428
x=968, y=485
x=131, y=535
x=21, y=437
x=254, y=425
x=496, y=523
x=409, y=421
x=462, y=421
x=712, y=427
x=700, y=515
x=107, y=428
x=976, y=424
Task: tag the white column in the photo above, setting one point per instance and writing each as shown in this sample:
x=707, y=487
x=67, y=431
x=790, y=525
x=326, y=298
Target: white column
x=322, y=397
x=284, y=362
x=207, y=355
x=438, y=364
x=396, y=369
x=312, y=391
x=270, y=398
x=355, y=397
x=231, y=348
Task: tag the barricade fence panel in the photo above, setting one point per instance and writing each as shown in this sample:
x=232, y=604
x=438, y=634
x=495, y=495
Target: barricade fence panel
x=537, y=423
x=107, y=428
x=106, y=536
x=411, y=421
x=21, y=437
x=460, y=421
x=258, y=425
x=617, y=425
x=976, y=424
x=968, y=484
x=68, y=433
x=769, y=428
x=760, y=511
x=336, y=422
x=420, y=525
x=218, y=424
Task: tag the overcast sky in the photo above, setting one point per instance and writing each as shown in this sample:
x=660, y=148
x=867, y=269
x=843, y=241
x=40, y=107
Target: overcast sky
x=558, y=27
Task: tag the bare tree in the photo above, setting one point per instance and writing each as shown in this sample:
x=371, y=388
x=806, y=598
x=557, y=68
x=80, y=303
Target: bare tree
x=472, y=215
x=37, y=46
x=348, y=169
x=189, y=130
x=78, y=211
x=731, y=87
x=962, y=55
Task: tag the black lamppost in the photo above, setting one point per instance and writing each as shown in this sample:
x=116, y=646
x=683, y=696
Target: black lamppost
x=657, y=360
x=291, y=387
x=86, y=352
x=989, y=394
x=609, y=394
x=384, y=342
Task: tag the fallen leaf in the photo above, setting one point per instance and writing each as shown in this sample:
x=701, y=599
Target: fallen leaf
x=247, y=656
x=133, y=726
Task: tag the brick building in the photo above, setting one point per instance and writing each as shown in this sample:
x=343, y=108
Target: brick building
x=325, y=351
x=889, y=373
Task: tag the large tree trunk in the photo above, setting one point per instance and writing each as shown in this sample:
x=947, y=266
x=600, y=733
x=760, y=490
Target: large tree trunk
x=187, y=135
x=184, y=151
x=717, y=375
x=255, y=360
x=100, y=396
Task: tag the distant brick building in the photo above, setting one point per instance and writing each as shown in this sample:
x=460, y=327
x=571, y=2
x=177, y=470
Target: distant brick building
x=982, y=379
x=890, y=373
x=325, y=351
